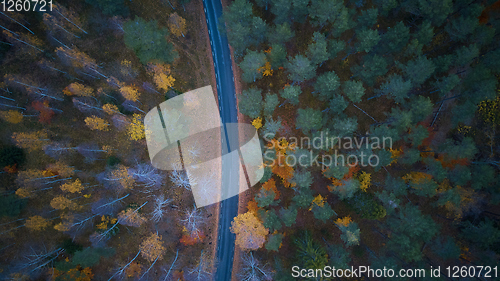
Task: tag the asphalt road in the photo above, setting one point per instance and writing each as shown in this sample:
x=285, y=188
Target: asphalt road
x=229, y=114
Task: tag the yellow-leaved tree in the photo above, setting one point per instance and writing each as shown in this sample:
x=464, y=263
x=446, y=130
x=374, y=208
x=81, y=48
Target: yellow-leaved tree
x=136, y=128
x=110, y=108
x=152, y=248
x=364, y=180
x=73, y=187
x=130, y=93
x=177, y=24
x=61, y=203
x=36, y=223
x=97, y=123
x=77, y=89
x=131, y=217
x=250, y=232
x=161, y=75
x=30, y=141
x=11, y=116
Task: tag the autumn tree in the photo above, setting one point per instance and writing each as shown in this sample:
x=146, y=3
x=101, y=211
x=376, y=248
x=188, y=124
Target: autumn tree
x=136, y=128
x=161, y=76
x=30, y=141
x=11, y=116
x=131, y=217
x=77, y=89
x=250, y=232
x=97, y=123
x=73, y=187
x=152, y=248
x=36, y=223
x=61, y=203
x=177, y=24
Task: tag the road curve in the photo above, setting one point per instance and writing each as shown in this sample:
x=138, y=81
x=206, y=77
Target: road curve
x=229, y=114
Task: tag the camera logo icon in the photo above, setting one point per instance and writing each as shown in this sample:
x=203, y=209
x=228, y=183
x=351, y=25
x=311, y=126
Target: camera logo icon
x=186, y=133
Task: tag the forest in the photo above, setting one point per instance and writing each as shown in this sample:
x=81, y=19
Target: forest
x=80, y=199
x=424, y=74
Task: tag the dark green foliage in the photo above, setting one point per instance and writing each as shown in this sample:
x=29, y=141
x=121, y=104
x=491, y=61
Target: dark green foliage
x=300, y=68
x=396, y=87
x=334, y=47
x=270, y=103
x=337, y=104
x=384, y=157
x=326, y=85
x=424, y=187
x=420, y=107
x=270, y=220
x=368, y=17
x=460, y=175
x=280, y=34
x=339, y=256
x=274, y=242
x=366, y=205
x=310, y=254
x=372, y=67
x=484, y=235
x=465, y=54
x=410, y=157
x=481, y=84
x=271, y=127
x=251, y=102
x=268, y=173
x=446, y=84
x=434, y=10
x=347, y=189
x=316, y=51
x=400, y=119
x=461, y=27
x=291, y=94
x=265, y=197
x=288, y=215
x=110, y=7
x=483, y=175
x=443, y=63
x=251, y=64
x=345, y=126
x=112, y=160
x=367, y=39
x=91, y=256
x=445, y=248
x=336, y=171
x=435, y=169
x=303, y=197
x=302, y=178
x=354, y=90
x=417, y=135
x=464, y=149
x=281, y=9
x=323, y=213
x=277, y=56
x=71, y=247
x=396, y=38
x=425, y=33
x=11, y=205
x=309, y=119
x=148, y=41
x=396, y=186
x=410, y=228
x=418, y=70
x=10, y=155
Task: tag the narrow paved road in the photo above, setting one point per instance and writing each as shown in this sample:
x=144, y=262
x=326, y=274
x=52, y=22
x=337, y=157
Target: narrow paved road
x=227, y=106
